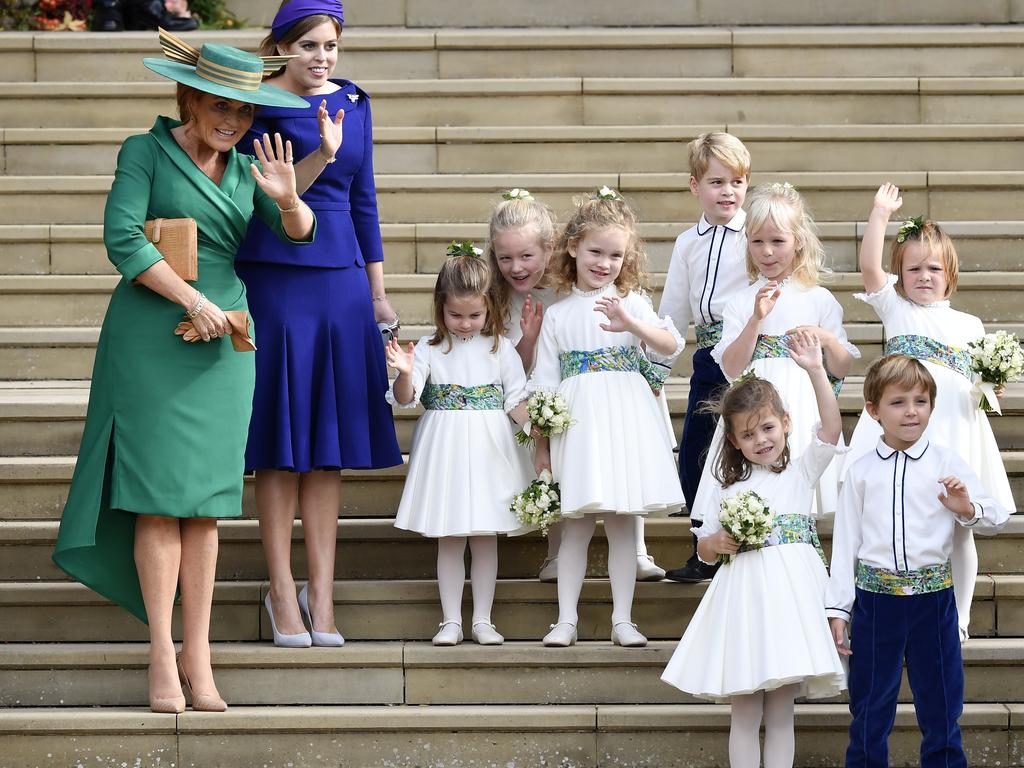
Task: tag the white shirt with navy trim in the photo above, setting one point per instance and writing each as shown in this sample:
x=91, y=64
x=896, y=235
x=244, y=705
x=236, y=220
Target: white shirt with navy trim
x=889, y=515
x=708, y=268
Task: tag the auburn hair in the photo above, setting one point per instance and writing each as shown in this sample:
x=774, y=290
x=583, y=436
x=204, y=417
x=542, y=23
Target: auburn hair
x=746, y=398
x=591, y=214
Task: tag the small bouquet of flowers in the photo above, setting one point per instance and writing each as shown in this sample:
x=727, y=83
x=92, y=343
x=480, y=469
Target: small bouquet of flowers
x=747, y=518
x=997, y=359
x=549, y=414
x=539, y=505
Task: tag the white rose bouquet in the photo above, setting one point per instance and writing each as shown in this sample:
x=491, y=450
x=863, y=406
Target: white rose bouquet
x=747, y=518
x=548, y=414
x=997, y=359
x=539, y=505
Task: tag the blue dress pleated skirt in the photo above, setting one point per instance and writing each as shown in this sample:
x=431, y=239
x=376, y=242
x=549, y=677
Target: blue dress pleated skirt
x=321, y=375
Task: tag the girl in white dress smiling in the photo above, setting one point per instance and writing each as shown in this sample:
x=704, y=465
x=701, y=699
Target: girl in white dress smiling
x=760, y=633
x=913, y=305
x=465, y=465
x=615, y=461
x=785, y=262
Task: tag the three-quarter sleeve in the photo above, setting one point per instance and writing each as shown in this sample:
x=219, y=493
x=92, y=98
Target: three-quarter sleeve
x=817, y=456
x=420, y=372
x=363, y=196
x=735, y=315
x=832, y=321
x=547, y=372
x=124, y=217
x=513, y=376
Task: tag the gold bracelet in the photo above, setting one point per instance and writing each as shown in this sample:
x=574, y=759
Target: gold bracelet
x=295, y=207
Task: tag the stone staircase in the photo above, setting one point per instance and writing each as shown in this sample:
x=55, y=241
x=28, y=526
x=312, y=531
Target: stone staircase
x=470, y=99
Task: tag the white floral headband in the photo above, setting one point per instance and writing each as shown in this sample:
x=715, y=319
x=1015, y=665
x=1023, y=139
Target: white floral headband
x=517, y=193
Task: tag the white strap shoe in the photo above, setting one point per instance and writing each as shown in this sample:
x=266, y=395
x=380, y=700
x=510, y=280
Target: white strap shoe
x=449, y=634
x=562, y=635
x=484, y=633
x=626, y=634
x=548, y=570
x=647, y=569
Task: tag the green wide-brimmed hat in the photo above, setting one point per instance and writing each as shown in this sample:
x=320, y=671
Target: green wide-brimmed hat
x=223, y=71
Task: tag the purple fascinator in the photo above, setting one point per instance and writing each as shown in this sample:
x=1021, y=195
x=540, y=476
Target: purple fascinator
x=297, y=10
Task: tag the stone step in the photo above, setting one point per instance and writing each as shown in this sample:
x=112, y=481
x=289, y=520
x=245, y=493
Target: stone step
x=75, y=249
x=687, y=51
x=49, y=423
x=603, y=13
x=412, y=673
x=40, y=301
x=372, y=548
x=466, y=198
x=409, y=609
x=572, y=736
x=573, y=101
x=565, y=149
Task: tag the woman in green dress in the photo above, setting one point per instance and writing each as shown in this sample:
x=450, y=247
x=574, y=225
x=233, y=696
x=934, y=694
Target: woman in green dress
x=162, y=452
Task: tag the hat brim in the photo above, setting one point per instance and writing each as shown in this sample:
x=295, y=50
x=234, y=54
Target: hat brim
x=266, y=95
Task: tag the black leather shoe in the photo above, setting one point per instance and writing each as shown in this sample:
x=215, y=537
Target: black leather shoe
x=693, y=572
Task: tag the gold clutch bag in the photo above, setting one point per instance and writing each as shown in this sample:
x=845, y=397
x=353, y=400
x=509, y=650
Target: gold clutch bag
x=177, y=241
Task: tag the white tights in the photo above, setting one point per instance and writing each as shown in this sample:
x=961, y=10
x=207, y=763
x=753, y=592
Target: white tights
x=451, y=575
x=776, y=708
x=964, y=560
x=555, y=539
x=572, y=564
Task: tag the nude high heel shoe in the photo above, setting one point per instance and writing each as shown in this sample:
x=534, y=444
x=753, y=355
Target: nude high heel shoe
x=201, y=702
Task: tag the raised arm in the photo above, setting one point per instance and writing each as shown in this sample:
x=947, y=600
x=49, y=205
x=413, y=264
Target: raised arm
x=805, y=350
x=309, y=168
x=887, y=202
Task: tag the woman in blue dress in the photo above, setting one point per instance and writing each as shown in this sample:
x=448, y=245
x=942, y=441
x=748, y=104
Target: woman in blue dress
x=321, y=378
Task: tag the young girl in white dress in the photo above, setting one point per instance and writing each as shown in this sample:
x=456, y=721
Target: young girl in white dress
x=785, y=262
x=465, y=465
x=615, y=462
x=521, y=239
x=913, y=305
x=760, y=634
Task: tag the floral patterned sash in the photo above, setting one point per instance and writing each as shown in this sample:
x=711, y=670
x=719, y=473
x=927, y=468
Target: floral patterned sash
x=931, y=578
x=929, y=350
x=769, y=347
x=708, y=334
x=630, y=358
x=791, y=529
x=452, y=397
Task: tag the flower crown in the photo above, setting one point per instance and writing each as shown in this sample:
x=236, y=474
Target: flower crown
x=464, y=248
x=607, y=193
x=909, y=228
x=745, y=377
x=780, y=186
x=516, y=193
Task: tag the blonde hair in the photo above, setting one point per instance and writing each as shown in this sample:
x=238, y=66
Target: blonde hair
x=517, y=213
x=903, y=372
x=747, y=395
x=268, y=45
x=596, y=213
x=937, y=243
x=723, y=147
x=464, y=276
x=784, y=207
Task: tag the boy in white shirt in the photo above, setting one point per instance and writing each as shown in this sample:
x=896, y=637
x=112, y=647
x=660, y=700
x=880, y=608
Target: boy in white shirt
x=891, y=574
x=708, y=268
